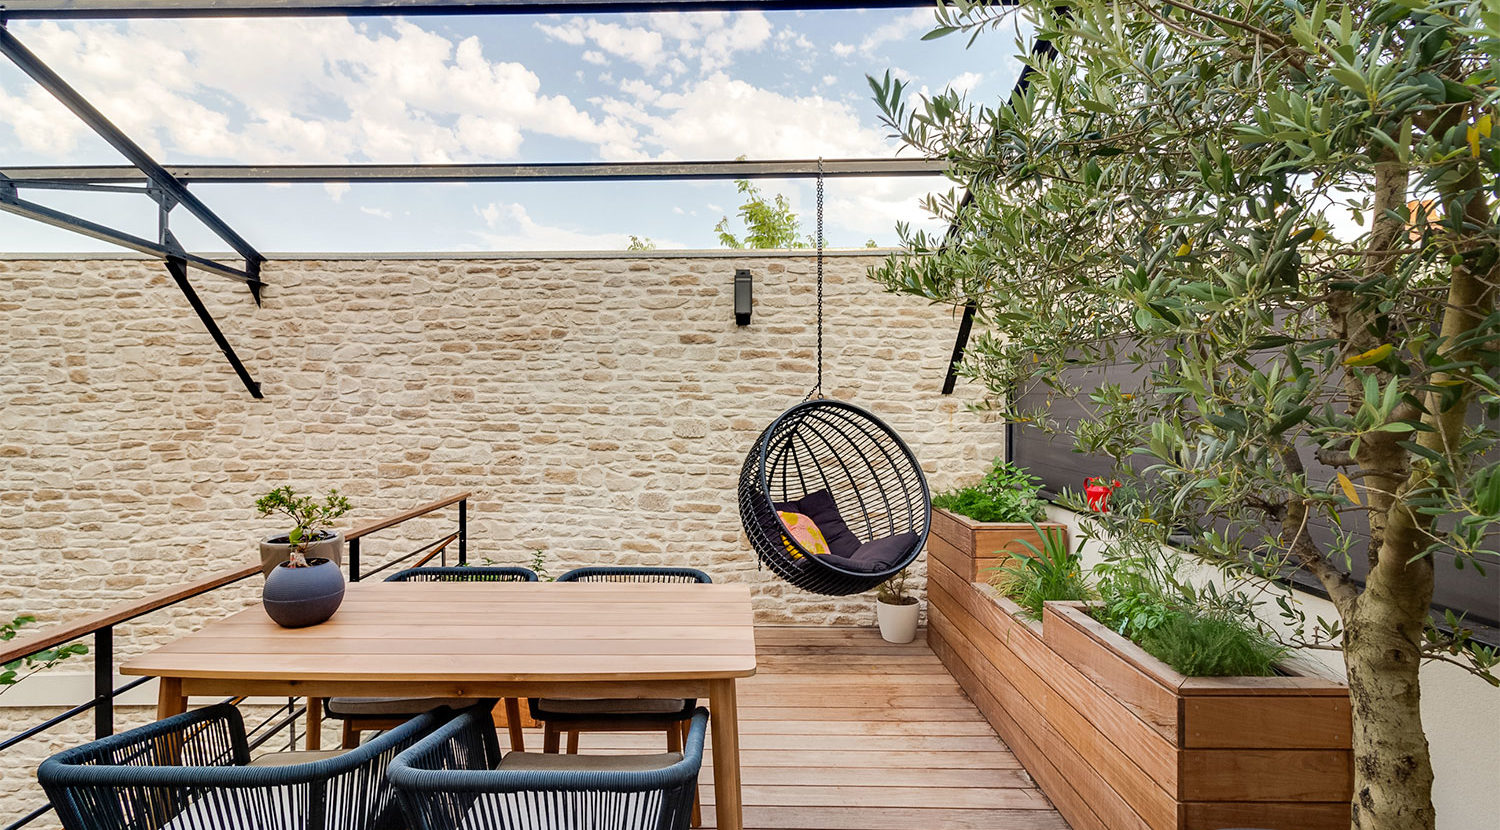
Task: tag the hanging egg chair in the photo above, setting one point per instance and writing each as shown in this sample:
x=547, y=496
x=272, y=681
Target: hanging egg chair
x=830, y=496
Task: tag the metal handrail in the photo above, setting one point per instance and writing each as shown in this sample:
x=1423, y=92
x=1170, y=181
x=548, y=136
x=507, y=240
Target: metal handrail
x=355, y=536
x=101, y=626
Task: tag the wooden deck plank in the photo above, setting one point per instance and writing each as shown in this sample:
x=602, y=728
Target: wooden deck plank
x=840, y=730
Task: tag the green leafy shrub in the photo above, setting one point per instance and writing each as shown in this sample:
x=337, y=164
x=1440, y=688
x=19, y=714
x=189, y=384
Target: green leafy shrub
x=893, y=590
x=1211, y=646
x=311, y=518
x=1006, y=494
x=1053, y=573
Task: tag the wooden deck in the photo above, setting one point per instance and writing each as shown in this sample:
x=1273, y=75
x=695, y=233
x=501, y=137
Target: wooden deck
x=840, y=730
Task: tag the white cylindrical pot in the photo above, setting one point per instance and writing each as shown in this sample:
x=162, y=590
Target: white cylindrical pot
x=898, y=623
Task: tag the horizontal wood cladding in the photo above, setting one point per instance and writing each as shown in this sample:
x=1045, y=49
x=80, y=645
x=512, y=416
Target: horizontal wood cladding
x=1119, y=740
x=974, y=549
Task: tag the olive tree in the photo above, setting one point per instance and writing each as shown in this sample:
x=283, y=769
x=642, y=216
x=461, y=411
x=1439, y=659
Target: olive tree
x=1283, y=213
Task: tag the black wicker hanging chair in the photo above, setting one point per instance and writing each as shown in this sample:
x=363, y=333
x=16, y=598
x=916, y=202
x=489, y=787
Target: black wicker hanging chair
x=858, y=482
x=849, y=473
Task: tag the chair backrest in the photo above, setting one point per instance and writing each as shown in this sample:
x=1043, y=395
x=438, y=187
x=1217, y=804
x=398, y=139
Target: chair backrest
x=448, y=781
x=189, y=771
x=607, y=573
x=463, y=574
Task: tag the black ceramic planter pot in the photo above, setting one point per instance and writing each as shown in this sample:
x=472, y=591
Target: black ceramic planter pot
x=298, y=597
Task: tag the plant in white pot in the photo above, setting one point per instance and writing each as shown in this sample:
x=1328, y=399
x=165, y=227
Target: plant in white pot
x=896, y=610
x=304, y=585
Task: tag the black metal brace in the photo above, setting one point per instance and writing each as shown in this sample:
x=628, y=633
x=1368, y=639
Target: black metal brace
x=178, y=269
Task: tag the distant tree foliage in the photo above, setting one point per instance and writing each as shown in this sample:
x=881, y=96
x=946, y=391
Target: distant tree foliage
x=769, y=222
x=640, y=243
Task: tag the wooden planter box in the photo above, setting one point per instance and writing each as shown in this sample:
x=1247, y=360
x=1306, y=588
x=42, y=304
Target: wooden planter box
x=1119, y=741
x=973, y=548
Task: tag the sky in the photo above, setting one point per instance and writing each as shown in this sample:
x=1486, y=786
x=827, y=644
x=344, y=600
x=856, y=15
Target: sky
x=465, y=89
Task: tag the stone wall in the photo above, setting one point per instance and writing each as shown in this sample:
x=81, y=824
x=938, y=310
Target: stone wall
x=597, y=407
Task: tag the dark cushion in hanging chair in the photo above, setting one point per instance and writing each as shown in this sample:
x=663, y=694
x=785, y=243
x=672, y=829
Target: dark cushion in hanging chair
x=821, y=452
x=824, y=512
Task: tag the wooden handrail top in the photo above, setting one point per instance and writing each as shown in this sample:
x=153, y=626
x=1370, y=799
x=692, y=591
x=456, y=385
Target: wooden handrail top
x=410, y=514
x=84, y=626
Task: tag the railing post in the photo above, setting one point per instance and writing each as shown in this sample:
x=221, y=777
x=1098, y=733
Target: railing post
x=354, y=560
x=463, y=531
x=104, y=682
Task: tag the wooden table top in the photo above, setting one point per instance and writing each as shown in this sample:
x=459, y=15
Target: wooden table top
x=500, y=632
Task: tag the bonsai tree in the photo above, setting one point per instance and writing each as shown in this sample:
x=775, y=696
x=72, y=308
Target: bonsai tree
x=1281, y=216
x=311, y=518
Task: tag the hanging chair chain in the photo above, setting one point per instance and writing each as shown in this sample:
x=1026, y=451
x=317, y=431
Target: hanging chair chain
x=817, y=390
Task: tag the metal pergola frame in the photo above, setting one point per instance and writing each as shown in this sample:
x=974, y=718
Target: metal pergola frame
x=168, y=186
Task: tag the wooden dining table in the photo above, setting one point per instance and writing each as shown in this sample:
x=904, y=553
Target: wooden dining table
x=581, y=640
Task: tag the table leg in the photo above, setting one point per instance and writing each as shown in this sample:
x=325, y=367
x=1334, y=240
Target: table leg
x=513, y=724
x=724, y=715
x=169, y=698
x=315, y=723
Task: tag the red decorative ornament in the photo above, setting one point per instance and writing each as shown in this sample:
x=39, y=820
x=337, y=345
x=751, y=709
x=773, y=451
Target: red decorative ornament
x=1098, y=492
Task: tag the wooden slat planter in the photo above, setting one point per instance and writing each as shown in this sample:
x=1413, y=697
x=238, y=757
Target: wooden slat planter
x=1120, y=741
x=974, y=548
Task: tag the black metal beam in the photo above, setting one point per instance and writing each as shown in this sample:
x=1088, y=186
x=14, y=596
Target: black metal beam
x=178, y=269
x=106, y=9
x=158, y=176
x=75, y=176
x=69, y=222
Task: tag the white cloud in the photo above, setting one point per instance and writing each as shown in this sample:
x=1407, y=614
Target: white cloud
x=843, y=50
x=595, y=57
x=336, y=190
x=722, y=117
x=307, y=91
x=709, y=38
x=830, y=80
x=635, y=44
x=965, y=82
x=379, y=212
x=511, y=228
x=909, y=26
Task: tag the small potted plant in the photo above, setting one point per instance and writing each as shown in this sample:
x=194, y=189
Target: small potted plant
x=304, y=585
x=896, y=610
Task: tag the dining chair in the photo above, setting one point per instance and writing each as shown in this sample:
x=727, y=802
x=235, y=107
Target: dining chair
x=456, y=778
x=365, y=714
x=194, y=771
x=669, y=715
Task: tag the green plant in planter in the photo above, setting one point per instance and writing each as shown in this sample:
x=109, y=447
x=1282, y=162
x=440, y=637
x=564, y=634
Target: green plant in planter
x=1051, y=573
x=1007, y=493
x=1201, y=632
x=311, y=517
x=893, y=590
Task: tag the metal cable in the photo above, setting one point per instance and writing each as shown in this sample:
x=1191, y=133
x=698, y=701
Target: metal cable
x=820, y=274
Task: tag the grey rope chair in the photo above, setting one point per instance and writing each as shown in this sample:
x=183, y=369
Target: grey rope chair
x=854, y=477
x=456, y=778
x=194, y=772
x=364, y=714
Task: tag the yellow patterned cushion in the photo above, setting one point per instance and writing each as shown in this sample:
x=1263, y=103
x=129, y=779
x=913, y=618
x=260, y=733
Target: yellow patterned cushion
x=805, y=531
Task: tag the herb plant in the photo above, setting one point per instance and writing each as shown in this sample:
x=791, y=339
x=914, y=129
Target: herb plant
x=1007, y=493
x=1051, y=573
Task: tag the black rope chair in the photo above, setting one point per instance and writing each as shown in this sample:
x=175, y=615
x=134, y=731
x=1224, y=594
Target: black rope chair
x=456, y=779
x=464, y=574
x=194, y=771
x=854, y=477
x=367, y=714
x=624, y=573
